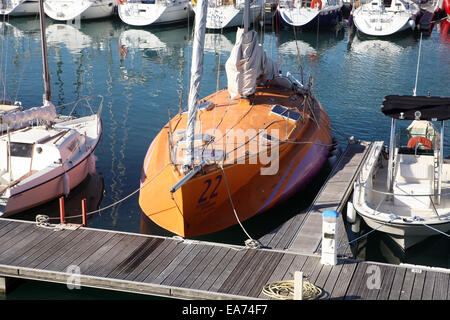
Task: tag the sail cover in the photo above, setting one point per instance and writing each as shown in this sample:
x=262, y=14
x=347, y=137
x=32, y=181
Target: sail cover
x=416, y=107
x=248, y=63
x=46, y=113
x=196, y=77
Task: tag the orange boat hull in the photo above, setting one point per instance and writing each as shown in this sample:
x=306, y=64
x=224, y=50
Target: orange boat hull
x=204, y=204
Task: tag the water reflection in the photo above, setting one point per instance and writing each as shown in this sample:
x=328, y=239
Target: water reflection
x=90, y=189
x=220, y=42
x=307, y=42
x=70, y=36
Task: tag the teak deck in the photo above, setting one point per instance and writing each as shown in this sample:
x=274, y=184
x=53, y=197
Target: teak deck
x=172, y=267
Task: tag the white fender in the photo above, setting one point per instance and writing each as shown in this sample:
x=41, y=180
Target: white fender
x=66, y=184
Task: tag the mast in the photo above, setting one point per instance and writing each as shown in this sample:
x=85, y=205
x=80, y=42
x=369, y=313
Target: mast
x=47, y=93
x=246, y=16
x=196, y=76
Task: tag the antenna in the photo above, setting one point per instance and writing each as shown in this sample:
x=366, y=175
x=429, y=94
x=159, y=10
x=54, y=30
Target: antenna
x=418, y=63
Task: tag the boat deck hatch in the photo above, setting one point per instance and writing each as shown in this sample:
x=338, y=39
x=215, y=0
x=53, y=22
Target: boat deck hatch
x=285, y=113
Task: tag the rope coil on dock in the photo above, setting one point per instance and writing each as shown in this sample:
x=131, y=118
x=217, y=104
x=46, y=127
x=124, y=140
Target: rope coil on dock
x=284, y=290
x=42, y=221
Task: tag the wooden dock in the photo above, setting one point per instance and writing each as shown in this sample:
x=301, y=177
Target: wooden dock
x=303, y=232
x=186, y=269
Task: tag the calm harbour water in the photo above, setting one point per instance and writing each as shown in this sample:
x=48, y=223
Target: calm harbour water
x=142, y=72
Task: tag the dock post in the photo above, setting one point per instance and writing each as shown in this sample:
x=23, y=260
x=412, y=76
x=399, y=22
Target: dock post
x=298, y=285
x=329, y=237
x=62, y=214
x=7, y=284
x=83, y=212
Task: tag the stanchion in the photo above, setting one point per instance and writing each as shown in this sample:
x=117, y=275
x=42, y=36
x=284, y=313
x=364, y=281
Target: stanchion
x=83, y=212
x=62, y=214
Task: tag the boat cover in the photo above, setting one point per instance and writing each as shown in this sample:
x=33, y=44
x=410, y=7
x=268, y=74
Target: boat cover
x=45, y=113
x=246, y=64
x=416, y=107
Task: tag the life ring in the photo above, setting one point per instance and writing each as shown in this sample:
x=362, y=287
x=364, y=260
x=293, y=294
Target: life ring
x=194, y=2
x=316, y=4
x=427, y=144
x=119, y=2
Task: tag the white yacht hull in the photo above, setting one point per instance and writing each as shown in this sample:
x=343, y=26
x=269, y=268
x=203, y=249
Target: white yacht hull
x=384, y=22
x=141, y=14
x=302, y=17
x=65, y=10
x=24, y=8
x=228, y=16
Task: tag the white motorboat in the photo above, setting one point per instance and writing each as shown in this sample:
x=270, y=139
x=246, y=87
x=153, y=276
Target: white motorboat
x=384, y=17
x=230, y=13
x=154, y=12
x=405, y=191
x=19, y=7
x=44, y=155
x=310, y=14
x=66, y=10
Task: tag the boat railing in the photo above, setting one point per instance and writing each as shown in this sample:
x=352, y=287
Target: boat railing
x=367, y=186
x=83, y=106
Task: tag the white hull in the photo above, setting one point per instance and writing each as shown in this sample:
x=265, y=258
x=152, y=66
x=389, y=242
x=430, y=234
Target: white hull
x=52, y=187
x=302, y=16
x=408, y=213
x=405, y=235
x=228, y=16
x=376, y=20
x=141, y=14
x=64, y=10
x=23, y=8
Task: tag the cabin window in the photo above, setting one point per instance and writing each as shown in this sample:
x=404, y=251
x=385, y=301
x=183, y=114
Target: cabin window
x=23, y=150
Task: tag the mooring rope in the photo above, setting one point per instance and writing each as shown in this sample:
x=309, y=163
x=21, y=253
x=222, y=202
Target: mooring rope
x=284, y=290
x=112, y=204
x=250, y=242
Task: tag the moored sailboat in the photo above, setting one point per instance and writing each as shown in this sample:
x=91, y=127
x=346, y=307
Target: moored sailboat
x=156, y=12
x=19, y=7
x=376, y=18
x=44, y=155
x=240, y=150
x=230, y=13
x=310, y=14
x=66, y=10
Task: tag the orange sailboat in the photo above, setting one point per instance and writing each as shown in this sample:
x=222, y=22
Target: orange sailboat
x=238, y=151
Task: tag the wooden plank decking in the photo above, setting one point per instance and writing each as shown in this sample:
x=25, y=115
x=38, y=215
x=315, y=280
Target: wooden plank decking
x=179, y=268
x=303, y=232
x=190, y=269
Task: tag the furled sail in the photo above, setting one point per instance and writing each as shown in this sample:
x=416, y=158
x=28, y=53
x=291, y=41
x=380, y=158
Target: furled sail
x=247, y=64
x=46, y=113
x=196, y=76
